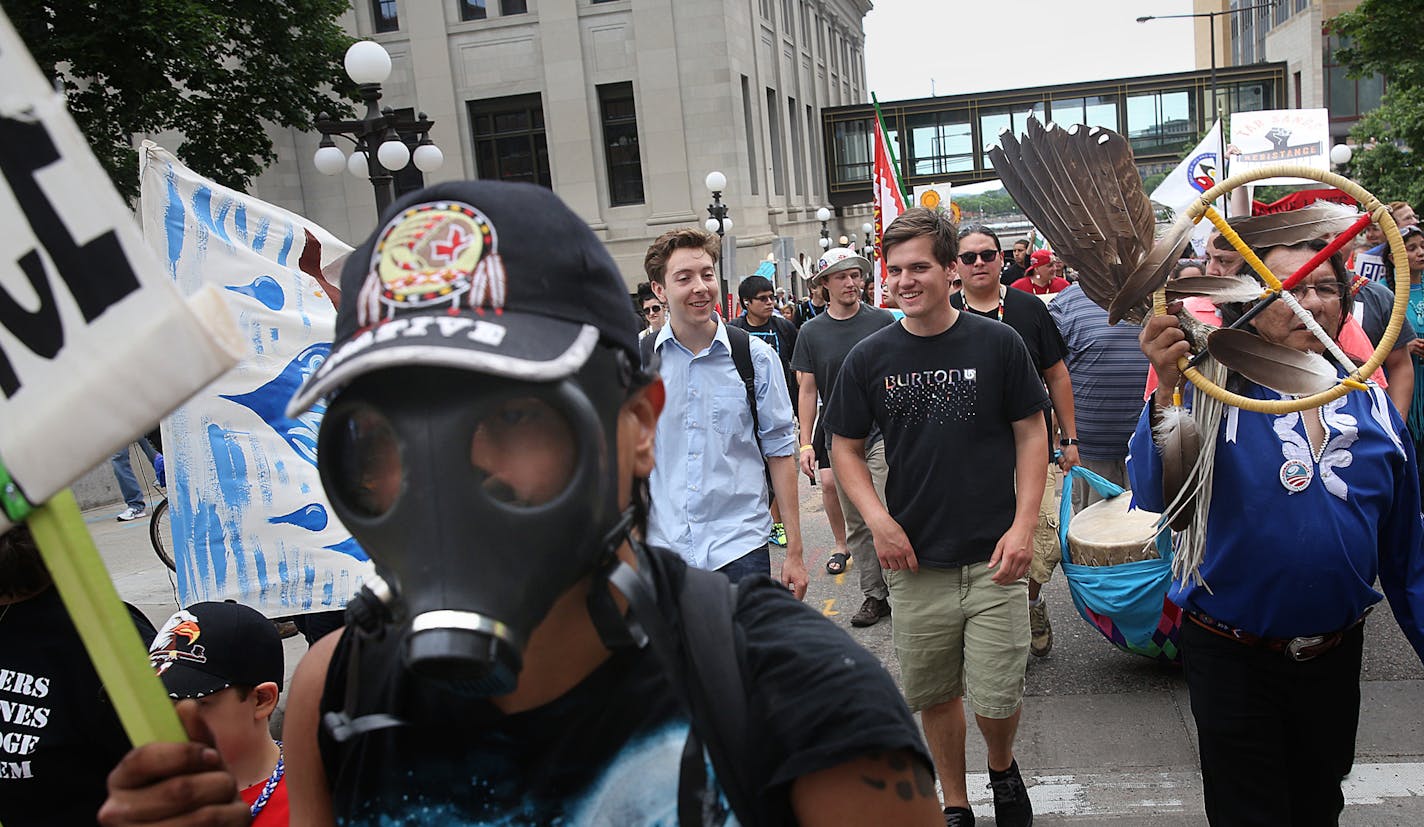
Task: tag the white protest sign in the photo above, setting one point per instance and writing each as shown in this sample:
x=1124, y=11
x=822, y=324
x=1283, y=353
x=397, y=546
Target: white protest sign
x=251, y=522
x=95, y=343
x=1273, y=136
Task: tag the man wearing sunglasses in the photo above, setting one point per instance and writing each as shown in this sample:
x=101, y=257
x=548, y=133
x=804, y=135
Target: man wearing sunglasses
x=656, y=314
x=983, y=295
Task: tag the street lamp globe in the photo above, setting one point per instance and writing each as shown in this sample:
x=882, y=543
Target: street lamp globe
x=356, y=165
x=329, y=160
x=368, y=62
x=393, y=154
x=825, y=242
x=726, y=225
x=843, y=241
x=712, y=225
x=428, y=158
x=867, y=228
x=1341, y=154
x=823, y=215
x=716, y=181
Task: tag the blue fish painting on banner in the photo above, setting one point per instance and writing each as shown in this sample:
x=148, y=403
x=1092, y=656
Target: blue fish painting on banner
x=250, y=520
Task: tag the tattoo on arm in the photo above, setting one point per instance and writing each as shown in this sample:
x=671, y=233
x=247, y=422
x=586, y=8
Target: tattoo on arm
x=910, y=778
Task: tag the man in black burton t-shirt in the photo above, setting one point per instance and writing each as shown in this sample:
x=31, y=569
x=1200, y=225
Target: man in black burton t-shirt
x=961, y=408
x=520, y=656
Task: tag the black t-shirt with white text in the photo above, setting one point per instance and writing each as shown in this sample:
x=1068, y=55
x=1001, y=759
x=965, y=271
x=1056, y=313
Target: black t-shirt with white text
x=59, y=734
x=947, y=404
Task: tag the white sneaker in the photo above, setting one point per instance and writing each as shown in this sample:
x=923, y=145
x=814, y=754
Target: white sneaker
x=131, y=513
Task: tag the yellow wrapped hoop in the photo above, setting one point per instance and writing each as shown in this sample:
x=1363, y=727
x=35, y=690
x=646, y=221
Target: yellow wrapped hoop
x=1379, y=213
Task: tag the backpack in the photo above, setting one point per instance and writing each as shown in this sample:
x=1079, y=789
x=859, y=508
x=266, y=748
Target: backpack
x=702, y=659
x=741, y=346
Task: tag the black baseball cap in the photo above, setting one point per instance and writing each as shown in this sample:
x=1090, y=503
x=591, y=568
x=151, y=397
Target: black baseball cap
x=488, y=276
x=208, y=647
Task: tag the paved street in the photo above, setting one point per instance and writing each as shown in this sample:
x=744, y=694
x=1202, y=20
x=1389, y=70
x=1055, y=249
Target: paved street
x=1107, y=738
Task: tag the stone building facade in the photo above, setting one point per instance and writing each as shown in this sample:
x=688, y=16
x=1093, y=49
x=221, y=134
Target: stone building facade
x=621, y=106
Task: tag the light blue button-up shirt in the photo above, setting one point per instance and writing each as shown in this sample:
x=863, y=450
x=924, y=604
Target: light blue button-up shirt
x=709, y=493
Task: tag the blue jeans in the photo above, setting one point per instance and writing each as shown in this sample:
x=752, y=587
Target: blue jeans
x=123, y=472
x=756, y=561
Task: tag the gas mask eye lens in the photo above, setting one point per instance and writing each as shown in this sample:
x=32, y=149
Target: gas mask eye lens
x=368, y=460
x=525, y=450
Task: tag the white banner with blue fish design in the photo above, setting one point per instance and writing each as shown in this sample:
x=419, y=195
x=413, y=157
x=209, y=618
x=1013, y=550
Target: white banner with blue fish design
x=250, y=520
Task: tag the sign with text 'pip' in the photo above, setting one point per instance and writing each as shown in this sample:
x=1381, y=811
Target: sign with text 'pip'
x=95, y=343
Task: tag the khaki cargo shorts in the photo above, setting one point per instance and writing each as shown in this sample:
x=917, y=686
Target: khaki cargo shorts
x=1047, y=553
x=960, y=634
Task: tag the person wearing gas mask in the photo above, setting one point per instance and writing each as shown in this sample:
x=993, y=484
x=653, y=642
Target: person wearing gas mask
x=521, y=656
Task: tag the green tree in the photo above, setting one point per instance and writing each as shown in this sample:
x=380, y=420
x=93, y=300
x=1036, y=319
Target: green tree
x=1383, y=37
x=218, y=72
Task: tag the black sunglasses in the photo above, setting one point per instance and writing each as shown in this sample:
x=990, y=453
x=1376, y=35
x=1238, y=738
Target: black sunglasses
x=652, y=309
x=985, y=256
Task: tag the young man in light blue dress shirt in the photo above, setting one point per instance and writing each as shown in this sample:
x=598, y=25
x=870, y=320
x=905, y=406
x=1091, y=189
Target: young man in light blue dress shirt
x=709, y=490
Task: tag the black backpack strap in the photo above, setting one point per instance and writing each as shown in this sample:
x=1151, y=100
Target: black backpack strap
x=701, y=662
x=741, y=345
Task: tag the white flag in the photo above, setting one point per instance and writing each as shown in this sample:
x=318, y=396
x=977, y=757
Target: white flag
x=1197, y=173
x=250, y=519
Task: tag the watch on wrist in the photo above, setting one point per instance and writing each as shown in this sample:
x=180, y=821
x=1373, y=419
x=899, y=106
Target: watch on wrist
x=1066, y=441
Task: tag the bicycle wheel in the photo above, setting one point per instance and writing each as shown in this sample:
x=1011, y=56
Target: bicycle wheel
x=160, y=534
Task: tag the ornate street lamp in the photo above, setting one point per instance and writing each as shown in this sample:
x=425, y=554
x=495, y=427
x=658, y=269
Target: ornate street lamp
x=719, y=223
x=381, y=132
x=823, y=215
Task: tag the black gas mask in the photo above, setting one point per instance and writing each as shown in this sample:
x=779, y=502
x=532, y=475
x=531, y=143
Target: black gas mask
x=480, y=500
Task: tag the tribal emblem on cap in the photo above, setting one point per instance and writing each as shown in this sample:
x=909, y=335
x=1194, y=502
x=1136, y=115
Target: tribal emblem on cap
x=438, y=253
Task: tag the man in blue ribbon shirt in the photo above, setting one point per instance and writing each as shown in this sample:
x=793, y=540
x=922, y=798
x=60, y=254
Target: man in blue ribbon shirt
x=1306, y=510
x=710, y=498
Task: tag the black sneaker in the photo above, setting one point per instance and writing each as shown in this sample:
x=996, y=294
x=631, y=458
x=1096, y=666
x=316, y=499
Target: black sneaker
x=1011, y=804
x=870, y=612
x=958, y=817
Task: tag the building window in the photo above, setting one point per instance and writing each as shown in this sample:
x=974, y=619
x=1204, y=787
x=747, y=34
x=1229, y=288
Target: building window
x=1161, y=121
x=940, y=143
x=817, y=166
x=473, y=9
x=620, y=143
x=994, y=121
x=753, y=171
x=1094, y=110
x=766, y=9
x=778, y=150
x=850, y=151
x=384, y=15
x=508, y=7
x=805, y=27
x=1346, y=97
x=509, y=139
x=798, y=146
x=788, y=17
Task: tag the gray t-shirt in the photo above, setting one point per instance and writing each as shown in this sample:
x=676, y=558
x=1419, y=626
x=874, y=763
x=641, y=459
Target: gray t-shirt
x=823, y=343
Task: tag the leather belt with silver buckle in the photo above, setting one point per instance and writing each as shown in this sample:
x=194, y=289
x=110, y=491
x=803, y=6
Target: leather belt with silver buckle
x=1299, y=649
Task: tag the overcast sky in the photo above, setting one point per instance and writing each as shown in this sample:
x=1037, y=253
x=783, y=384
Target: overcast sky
x=983, y=45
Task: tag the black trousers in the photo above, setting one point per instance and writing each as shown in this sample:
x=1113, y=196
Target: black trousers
x=1276, y=736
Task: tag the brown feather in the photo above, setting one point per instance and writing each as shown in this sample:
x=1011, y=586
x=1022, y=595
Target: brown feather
x=1137, y=289
x=1179, y=442
x=1274, y=366
x=1321, y=219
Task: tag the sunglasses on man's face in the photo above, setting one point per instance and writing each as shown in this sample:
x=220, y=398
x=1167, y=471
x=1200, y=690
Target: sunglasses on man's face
x=765, y=297
x=652, y=310
x=985, y=256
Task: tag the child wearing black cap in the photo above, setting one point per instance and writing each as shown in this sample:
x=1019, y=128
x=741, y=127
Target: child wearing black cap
x=228, y=657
